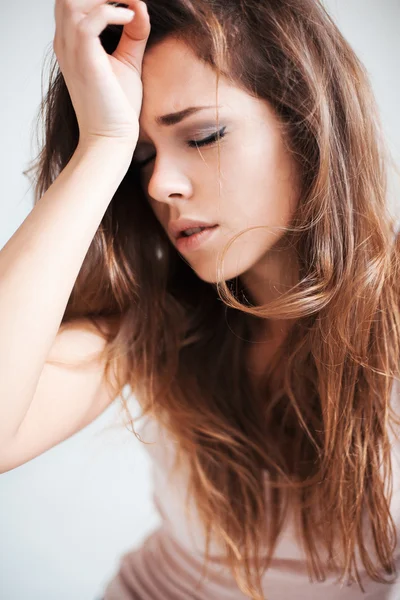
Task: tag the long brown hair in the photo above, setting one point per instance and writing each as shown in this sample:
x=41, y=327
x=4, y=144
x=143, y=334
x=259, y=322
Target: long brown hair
x=322, y=440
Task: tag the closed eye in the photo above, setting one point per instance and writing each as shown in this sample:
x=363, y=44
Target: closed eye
x=208, y=140
x=211, y=139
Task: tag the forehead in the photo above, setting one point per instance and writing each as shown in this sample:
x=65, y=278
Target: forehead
x=174, y=78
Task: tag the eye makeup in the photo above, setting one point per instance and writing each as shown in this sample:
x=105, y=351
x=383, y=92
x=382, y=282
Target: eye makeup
x=207, y=141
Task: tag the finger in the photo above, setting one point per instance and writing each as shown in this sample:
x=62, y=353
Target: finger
x=93, y=24
x=134, y=37
x=76, y=8
x=80, y=6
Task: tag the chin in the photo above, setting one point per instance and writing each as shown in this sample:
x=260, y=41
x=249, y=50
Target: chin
x=210, y=275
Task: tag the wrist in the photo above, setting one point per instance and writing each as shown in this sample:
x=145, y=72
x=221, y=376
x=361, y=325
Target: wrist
x=111, y=151
x=119, y=144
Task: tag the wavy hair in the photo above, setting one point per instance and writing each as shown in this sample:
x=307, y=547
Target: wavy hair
x=319, y=444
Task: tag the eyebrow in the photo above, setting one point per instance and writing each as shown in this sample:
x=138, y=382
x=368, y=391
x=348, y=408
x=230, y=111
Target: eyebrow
x=177, y=117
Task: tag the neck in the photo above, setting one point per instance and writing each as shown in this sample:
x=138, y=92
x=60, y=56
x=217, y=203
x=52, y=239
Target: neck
x=274, y=275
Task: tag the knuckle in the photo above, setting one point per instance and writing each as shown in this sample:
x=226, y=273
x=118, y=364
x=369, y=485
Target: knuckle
x=69, y=5
x=83, y=27
x=75, y=18
x=103, y=10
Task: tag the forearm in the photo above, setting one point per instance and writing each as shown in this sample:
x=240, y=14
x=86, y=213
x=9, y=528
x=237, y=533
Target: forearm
x=39, y=266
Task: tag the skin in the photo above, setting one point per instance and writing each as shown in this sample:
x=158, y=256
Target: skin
x=258, y=173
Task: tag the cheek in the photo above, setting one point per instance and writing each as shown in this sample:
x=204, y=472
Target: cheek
x=160, y=211
x=144, y=182
x=265, y=186
x=156, y=208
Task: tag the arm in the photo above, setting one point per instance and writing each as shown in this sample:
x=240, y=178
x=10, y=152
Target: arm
x=38, y=268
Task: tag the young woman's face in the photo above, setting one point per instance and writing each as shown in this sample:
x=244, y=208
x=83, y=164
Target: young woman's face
x=181, y=181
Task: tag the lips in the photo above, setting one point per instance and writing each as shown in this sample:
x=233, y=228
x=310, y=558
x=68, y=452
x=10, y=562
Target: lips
x=176, y=228
x=193, y=230
x=196, y=241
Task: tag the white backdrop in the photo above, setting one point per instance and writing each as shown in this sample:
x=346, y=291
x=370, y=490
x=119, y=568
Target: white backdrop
x=68, y=515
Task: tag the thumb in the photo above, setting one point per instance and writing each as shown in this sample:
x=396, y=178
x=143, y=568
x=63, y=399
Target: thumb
x=134, y=36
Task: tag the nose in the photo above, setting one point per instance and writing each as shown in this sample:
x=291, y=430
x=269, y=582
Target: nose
x=169, y=183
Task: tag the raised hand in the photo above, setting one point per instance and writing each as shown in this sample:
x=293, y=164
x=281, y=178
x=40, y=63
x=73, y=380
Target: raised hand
x=106, y=90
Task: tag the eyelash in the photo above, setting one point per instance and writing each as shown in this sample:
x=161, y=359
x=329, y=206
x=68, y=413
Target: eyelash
x=192, y=144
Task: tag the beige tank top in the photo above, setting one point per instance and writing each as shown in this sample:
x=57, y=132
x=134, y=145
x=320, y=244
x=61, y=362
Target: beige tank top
x=168, y=564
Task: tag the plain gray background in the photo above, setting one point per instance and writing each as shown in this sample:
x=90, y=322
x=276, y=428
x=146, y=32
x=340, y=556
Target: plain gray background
x=68, y=515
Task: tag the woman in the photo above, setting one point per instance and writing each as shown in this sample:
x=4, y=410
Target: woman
x=211, y=223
